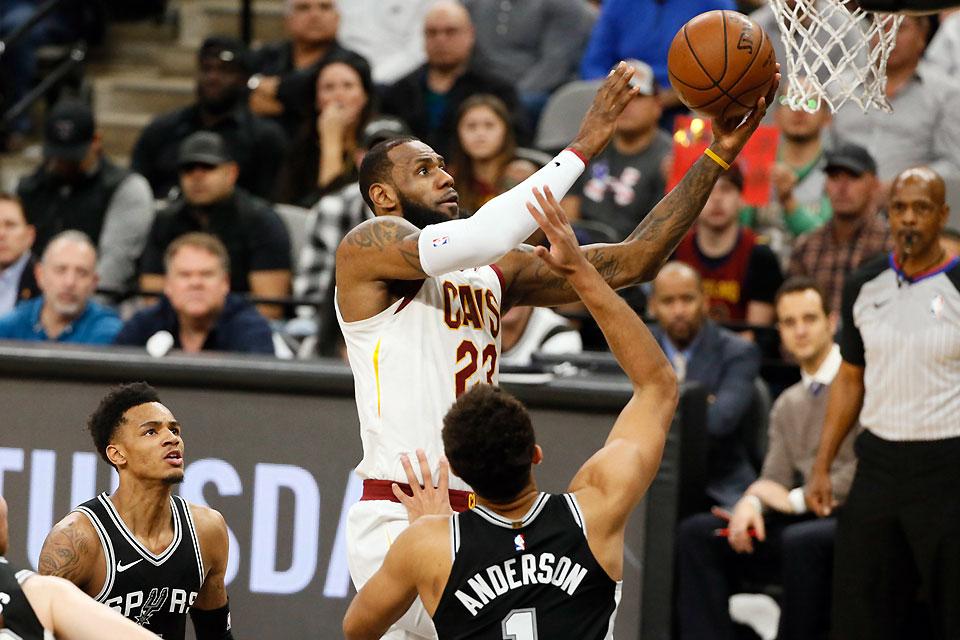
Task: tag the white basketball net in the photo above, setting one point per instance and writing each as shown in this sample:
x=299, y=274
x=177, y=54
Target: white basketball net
x=835, y=52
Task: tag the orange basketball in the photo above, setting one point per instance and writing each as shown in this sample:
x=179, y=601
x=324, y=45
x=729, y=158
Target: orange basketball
x=720, y=63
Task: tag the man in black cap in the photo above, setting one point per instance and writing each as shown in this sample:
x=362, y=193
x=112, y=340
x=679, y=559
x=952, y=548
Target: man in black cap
x=255, y=237
x=255, y=144
x=855, y=232
x=78, y=187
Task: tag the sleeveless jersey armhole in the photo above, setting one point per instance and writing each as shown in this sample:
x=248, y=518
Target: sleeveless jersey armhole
x=108, y=554
x=576, y=512
x=454, y=537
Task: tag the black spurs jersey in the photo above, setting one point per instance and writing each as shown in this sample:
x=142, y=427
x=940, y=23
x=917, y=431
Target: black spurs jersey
x=535, y=578
x=155, y=591
x=17, y=619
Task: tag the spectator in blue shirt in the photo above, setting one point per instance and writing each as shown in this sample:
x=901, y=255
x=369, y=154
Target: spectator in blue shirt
x=641, y=29
x=67, y=277
x=197, y=311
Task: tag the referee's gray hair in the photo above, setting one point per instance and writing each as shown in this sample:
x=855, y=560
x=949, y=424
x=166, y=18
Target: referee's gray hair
x=70, y=235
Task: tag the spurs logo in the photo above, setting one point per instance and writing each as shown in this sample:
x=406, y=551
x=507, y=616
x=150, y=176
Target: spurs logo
x=152, y=604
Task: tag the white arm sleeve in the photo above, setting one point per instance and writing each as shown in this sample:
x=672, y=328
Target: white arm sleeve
x=498, y=226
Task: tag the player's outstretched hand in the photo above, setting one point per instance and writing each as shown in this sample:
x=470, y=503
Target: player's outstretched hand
x=611, y=98
x=426, y=500
x=730, y=135
x=564, y=256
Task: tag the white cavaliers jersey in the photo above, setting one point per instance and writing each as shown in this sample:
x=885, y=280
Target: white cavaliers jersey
x=412, y=360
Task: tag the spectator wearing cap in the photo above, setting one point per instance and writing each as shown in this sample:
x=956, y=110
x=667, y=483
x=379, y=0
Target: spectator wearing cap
x=285, y=72
x=922, y=128
x=429, y=97
x=78, y=187
x=854, y=234
x=321, y=157
x=335, y=214
x=626, y=180
x=197, y=311
x=67, y=278
x=255, y=237
x=256, y=145
x=740, y=274
x=17, y=276
x=537, y=44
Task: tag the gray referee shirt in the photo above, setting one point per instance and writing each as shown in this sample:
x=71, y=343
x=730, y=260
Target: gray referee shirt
x=905, y=332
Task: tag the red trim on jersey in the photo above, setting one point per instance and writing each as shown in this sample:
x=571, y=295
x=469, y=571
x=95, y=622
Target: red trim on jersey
x=503, y=286
x=383, y=490
x=582, y=157
x=407, y=299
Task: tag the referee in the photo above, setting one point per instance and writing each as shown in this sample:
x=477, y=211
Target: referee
x=899, y=532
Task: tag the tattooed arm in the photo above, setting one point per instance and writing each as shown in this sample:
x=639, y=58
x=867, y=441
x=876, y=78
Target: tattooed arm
x=72, y=551
x=529, y=281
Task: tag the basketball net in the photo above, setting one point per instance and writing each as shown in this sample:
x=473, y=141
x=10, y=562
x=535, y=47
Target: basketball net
x=836, y=52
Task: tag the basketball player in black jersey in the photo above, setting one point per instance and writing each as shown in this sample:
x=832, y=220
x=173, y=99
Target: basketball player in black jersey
x=525, y=564
x=33, y=606
x=144, y=551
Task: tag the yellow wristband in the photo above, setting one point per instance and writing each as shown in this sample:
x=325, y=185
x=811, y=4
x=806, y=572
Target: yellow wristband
x=720, y=161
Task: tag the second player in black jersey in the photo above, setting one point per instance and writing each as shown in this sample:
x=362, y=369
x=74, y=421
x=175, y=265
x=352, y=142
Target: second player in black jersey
x=36, y=607
x=142, y=551
x=500, y=567
x=524, y=564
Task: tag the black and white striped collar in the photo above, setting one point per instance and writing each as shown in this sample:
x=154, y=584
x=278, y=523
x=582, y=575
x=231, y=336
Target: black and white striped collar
x=149, y=556
x=495, y=518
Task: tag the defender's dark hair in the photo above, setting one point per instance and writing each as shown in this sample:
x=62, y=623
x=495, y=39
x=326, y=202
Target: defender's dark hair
x=103, y=422
x=796, y=284
x=489, y=441
x=376, y=166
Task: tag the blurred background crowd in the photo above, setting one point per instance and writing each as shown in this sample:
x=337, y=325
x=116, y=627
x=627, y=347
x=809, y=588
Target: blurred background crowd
x=177, y=174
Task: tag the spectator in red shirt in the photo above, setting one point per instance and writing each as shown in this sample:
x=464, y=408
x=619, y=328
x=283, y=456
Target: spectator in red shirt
x=740, y=274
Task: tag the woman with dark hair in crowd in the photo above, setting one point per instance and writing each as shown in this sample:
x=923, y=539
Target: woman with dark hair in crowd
x=485, y=145
x=321, y=158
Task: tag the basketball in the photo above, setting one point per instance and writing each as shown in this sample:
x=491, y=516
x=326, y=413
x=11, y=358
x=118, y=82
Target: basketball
x=720, y=63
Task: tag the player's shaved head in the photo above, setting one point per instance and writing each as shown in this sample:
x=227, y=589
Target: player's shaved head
x=924, y=177
x=677, y=271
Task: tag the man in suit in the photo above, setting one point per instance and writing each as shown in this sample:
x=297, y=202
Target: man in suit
x=772, y=536
x=725, y=364
x=17, y=280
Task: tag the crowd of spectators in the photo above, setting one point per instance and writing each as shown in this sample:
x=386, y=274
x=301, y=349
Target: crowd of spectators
x=201, y=222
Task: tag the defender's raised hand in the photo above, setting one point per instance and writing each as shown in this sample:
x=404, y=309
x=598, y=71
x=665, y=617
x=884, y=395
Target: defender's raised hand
x=564, y=256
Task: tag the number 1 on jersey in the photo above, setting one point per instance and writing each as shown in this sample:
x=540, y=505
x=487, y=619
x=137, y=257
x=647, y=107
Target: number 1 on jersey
x=520, y=624
x=468, y=350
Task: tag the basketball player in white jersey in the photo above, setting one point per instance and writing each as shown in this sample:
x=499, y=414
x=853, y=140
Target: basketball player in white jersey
x=420, y=295
x=561, y=556
x=143, y=551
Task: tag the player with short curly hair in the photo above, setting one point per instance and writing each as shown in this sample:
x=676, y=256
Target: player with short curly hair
x=144, y=551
